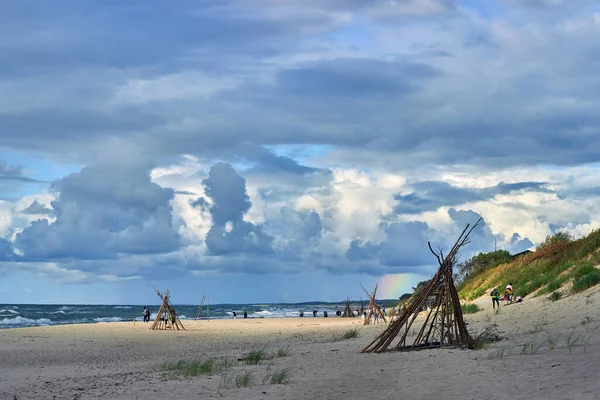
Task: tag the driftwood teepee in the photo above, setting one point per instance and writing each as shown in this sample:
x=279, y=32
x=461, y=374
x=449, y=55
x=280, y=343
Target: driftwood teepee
x=373, y=309
x=166, y=318
x=347, y=311
x=444, y=325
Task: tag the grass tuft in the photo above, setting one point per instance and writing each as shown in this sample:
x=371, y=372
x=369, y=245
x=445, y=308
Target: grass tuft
x=555, y=296
x=255, y=357
x=243, y=380
x=349, y=334
x=191, y=369
x=278, y=378
x=583, y=282
x=282, y=353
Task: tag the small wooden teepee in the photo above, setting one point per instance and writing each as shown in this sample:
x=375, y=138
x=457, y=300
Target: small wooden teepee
x=444, y=325
x=347, y=311
x=166, y=318
x=373, y=309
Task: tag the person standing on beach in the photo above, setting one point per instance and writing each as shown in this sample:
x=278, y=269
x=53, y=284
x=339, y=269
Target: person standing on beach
x=234, y=315
x=245, y=314
x=495, y=298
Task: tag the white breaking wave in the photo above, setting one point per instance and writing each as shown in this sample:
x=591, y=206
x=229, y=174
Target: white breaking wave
x=108, y=319
x=18, y=320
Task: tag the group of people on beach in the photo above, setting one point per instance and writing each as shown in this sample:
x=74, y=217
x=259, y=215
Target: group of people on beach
x=235, y=314
x=508, y=296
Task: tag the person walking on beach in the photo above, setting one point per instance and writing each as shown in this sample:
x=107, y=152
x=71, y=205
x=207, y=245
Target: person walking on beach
x=495, y=298
x=383, y=310
x=508, y=292
x=245, y=314
x=234, y=315
x=146, y=314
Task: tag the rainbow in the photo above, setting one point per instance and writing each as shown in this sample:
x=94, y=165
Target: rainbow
x=392, y=286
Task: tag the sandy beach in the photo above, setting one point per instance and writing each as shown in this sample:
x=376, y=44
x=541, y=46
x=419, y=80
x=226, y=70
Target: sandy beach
x=549, y=351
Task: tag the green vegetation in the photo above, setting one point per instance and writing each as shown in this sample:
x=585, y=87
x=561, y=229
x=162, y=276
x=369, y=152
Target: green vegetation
x=278, y=378
x=282, y=352
x=482, y=262
x=255, y=357
x=558, y=260
x=349, y=334
x=555, y=296
x=586, y=281
x=243, y=380
x=191, y=369
x=469, y=308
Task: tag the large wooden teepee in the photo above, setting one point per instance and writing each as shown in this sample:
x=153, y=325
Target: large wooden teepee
x=166, y=318
x=444, y=325
x=373, y=308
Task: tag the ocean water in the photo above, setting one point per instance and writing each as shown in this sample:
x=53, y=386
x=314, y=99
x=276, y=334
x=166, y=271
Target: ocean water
x=26, y=315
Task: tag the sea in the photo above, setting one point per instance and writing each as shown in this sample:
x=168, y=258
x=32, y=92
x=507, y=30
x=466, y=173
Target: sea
x=27, y=315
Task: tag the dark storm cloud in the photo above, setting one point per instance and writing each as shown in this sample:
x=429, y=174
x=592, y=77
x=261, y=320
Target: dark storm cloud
x=269, y=162
x=14, y=173
x=355, y=77
x=101, y=212
x=229, y=233
x=396, y=104
x=431, y=195
x=36, y=208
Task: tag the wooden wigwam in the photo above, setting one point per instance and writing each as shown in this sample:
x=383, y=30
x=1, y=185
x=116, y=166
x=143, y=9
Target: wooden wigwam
x=166, y=318
x=373, y=308
x=444, y=325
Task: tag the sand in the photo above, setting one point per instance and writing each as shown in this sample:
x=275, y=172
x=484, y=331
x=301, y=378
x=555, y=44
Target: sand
x=123, y=361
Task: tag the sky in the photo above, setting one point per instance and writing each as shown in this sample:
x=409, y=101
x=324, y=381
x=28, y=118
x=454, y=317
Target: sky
x=284, y=150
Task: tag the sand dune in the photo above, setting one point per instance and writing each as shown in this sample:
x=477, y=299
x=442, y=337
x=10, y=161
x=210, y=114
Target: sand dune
x=122, y=361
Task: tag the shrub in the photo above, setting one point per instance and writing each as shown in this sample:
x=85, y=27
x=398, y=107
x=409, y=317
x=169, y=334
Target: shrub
x=555, y=296
x=469, y=308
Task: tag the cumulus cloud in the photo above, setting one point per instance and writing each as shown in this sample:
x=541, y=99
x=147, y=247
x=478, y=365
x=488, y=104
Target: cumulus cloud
x=431, y=195
x=229, y=233
x=102, y=211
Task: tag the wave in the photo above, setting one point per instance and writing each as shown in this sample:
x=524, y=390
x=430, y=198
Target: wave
x=13, y=311
x=18, y=320
x=108, y=319
x=65, y=308
x=123, y=307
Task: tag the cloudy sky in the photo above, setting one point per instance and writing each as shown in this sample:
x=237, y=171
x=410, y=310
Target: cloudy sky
x=283, y=150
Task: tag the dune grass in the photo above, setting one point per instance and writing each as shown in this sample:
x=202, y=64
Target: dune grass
x=278, y=378
x=349, y=334
x=544, y=271
x=255, y=357
x=191, y=369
